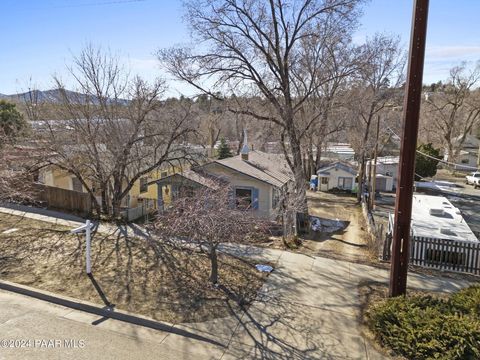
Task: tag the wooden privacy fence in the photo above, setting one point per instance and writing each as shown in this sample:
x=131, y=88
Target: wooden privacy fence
x=442, y=254
x=62, y=199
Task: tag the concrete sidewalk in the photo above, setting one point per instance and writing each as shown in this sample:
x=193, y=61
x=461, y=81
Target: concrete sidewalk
x=308, y=309
x=68, y=220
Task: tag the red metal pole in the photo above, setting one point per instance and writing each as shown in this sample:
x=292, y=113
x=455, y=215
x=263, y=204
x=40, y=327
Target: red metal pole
x=411, y=108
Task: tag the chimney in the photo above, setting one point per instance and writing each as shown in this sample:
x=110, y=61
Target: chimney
x=244, y=152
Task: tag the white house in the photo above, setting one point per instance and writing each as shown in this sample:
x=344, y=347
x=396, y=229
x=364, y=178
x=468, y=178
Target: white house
x=467, y=156
x=387, y=166
x=383, y=183
x=337, y=175
x=338, y=151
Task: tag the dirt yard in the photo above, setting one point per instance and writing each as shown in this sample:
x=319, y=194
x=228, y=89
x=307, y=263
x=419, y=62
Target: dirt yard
x=349, y=243
x=168, y=284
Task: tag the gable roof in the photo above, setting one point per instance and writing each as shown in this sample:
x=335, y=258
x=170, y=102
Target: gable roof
x=471, y=142
x=270, y=168
x=190, y=175
x=385, y=160
x=337, y=165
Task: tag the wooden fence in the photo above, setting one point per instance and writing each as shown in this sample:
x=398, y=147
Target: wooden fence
x=62, y=199
x=442, y=254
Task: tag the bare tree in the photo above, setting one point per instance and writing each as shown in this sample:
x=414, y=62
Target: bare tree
x=115, y=130
x=17, y=173
x=453, y=110
x=375, y=88
x=203, y=219
x=261, y=48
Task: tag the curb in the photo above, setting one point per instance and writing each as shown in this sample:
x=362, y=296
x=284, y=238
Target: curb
x=106, y=312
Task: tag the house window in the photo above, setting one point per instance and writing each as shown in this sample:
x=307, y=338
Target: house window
x=164, y=174
x=345, y=183
x=388, y=173
x=324, y=180
x=464, y=161
x=76, y=184
x=143, y=184
x=243, y=198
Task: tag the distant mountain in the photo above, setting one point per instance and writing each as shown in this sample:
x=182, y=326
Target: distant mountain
x=53, y=96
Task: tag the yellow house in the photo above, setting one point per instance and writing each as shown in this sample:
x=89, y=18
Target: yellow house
x=142, y=197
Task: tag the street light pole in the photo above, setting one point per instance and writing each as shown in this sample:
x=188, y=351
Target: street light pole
x=411, y=106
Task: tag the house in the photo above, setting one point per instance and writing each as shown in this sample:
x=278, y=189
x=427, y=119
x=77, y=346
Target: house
x=338, y=151
x=141, y=199
x=467, y=156
x=337, y=175
x=383, y=183
x=386, y=166
x=440, y=236
x=256, y=177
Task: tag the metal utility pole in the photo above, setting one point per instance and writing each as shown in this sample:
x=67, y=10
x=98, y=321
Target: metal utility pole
x=411, y=106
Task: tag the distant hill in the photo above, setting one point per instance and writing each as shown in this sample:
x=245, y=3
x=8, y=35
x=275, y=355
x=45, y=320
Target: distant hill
x=53, y=96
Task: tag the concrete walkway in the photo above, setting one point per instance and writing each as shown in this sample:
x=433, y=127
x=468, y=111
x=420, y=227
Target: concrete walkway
x=308, y=309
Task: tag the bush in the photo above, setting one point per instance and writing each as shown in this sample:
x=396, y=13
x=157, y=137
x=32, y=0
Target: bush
x=424, y=327
x=467, y=300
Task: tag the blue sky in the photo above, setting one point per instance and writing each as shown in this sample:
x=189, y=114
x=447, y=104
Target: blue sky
x=40, y=36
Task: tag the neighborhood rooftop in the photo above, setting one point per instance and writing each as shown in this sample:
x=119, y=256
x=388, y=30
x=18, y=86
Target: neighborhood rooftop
x=270, y=168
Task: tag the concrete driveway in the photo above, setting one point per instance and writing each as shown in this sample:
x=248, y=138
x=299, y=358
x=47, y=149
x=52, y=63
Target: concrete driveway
x=308, y=309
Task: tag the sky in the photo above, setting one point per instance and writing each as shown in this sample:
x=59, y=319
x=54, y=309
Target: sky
x=40, y=37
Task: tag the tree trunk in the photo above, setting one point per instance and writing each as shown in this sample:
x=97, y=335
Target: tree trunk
x=299, y=177
x=116, y=199
x=97, y=207
x=104, y=195
x=297, y=168
x=213, y=265
x=361, y=175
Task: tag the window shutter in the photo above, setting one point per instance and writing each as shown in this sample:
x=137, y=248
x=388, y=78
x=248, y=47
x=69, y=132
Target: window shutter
x=255, y=198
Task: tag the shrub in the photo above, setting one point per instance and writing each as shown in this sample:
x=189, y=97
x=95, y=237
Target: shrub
x=424, y=327
x=467, y=300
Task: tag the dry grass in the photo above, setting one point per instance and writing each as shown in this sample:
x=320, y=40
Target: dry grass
x=168, y=284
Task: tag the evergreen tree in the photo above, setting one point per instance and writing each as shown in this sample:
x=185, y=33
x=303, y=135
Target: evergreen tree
x=426, y=166
x=224, y=150
x=12, y=122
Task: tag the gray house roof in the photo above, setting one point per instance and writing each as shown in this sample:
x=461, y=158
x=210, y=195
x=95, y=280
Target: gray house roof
x=197, y=177
x=270, y=168
x=470, y=142
x=336, y=165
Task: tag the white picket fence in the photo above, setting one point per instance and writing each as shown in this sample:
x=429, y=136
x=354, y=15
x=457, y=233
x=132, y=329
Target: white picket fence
x=443, y=254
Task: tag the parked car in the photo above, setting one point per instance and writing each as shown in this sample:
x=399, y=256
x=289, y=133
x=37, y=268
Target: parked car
x=473, y=179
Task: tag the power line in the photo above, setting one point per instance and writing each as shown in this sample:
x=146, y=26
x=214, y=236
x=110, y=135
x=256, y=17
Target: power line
x=434, y=158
